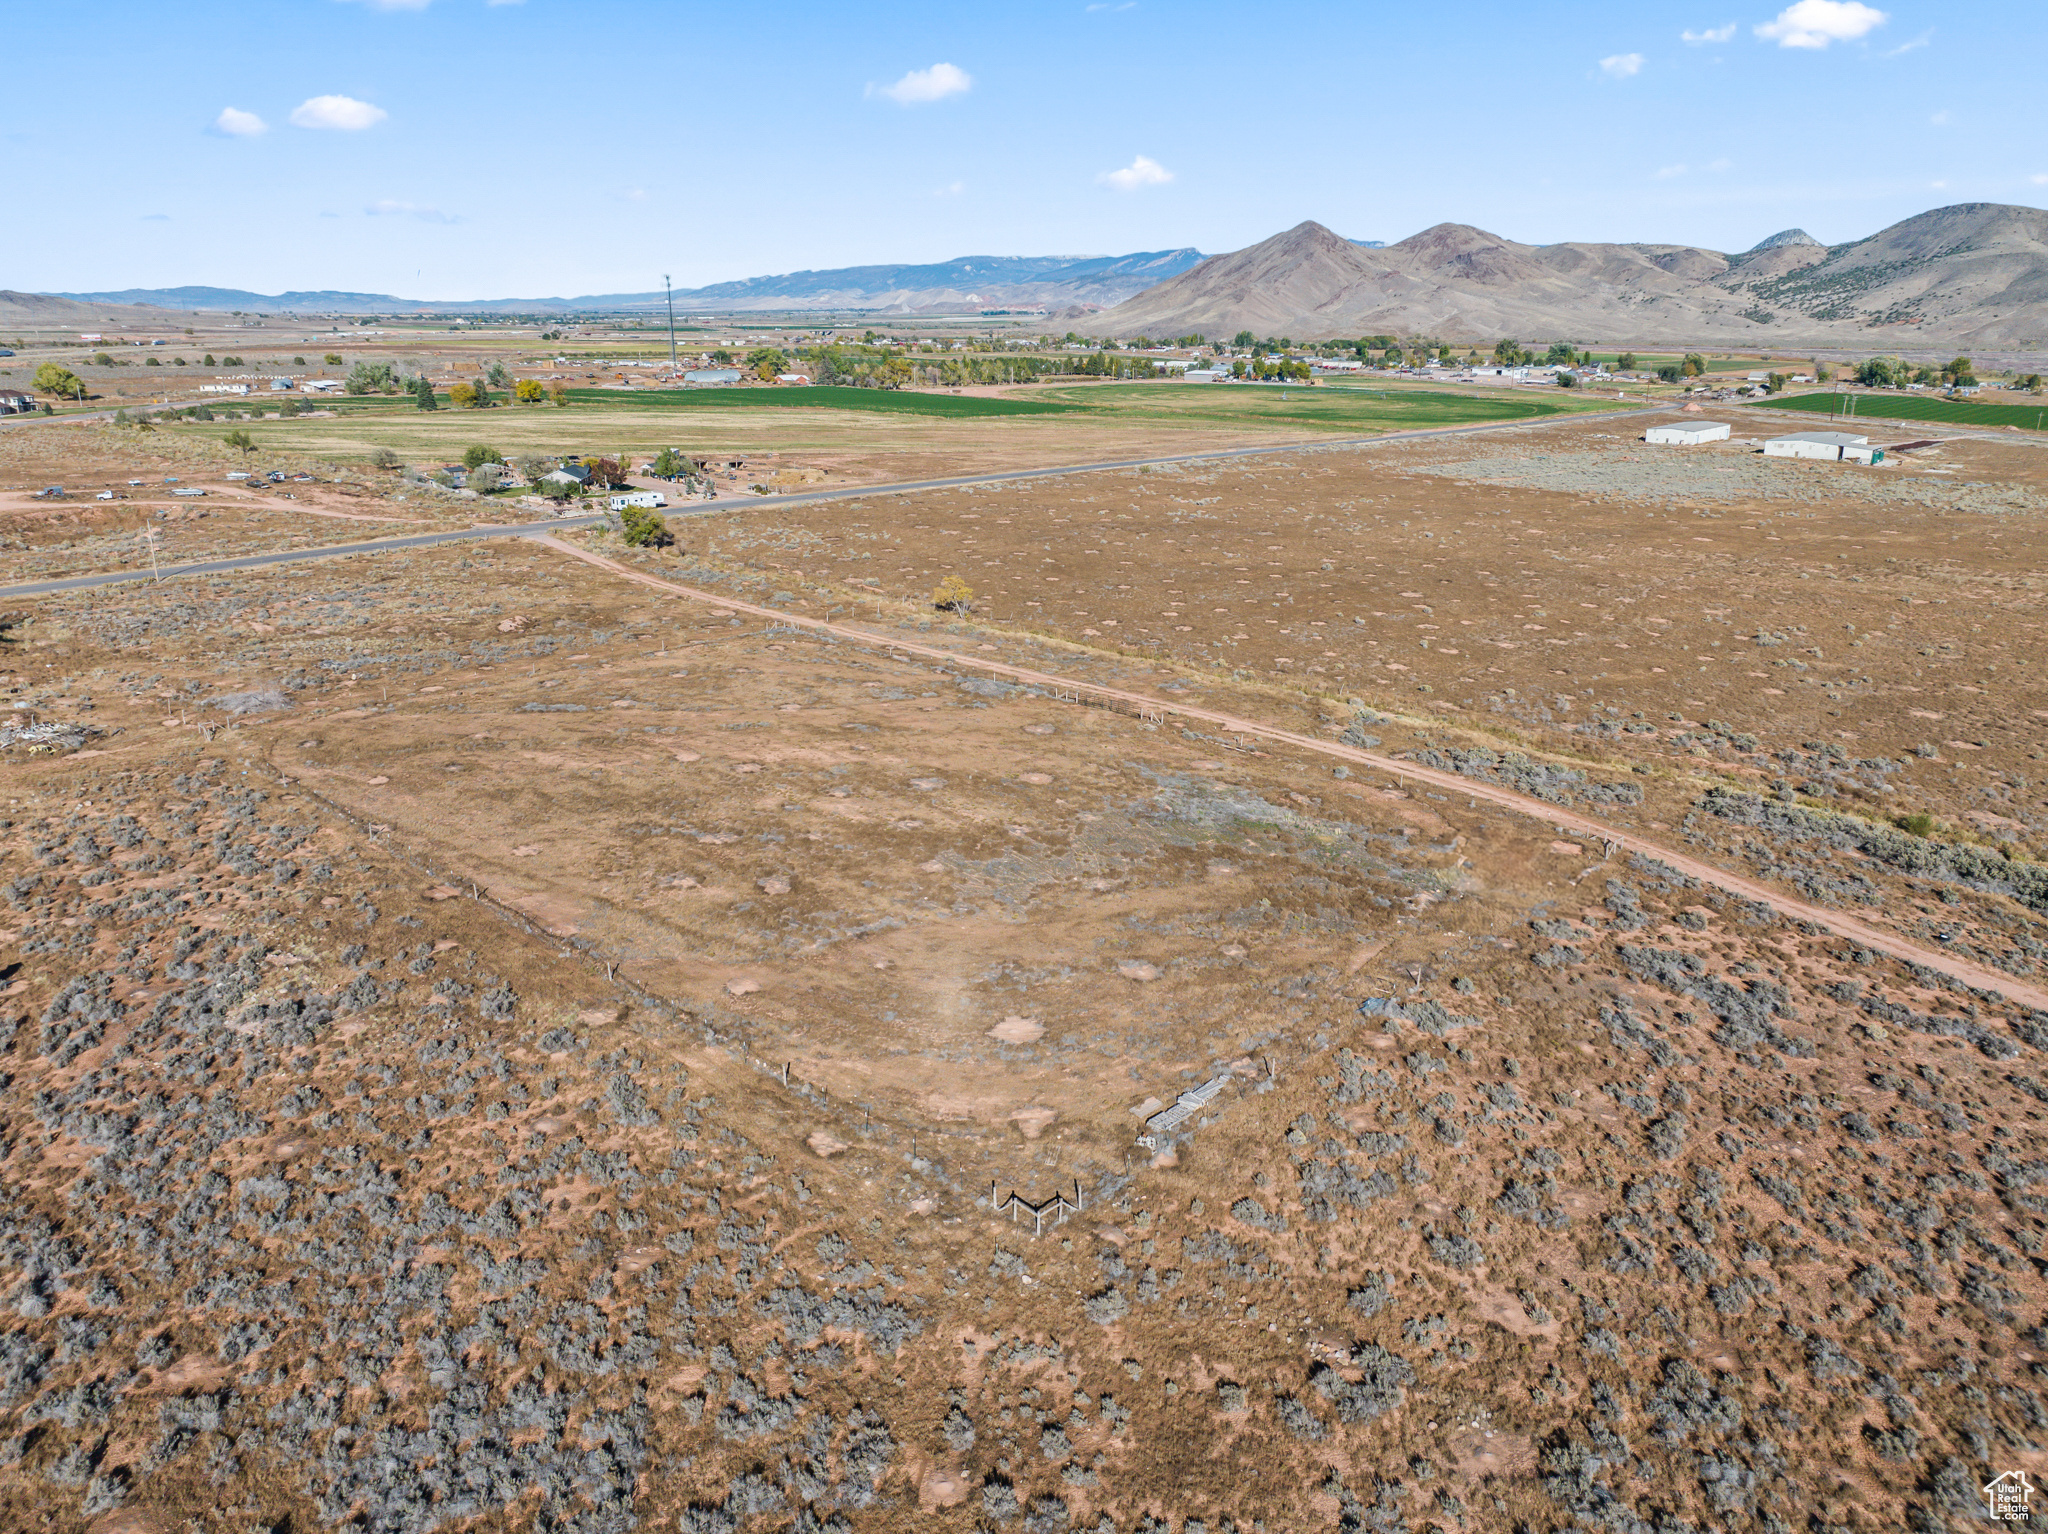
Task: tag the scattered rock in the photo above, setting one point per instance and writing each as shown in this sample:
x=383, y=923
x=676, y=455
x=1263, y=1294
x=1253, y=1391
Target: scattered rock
x=824, y=1143
x=742, y=987
x=1137, y=969
x=442, y=892
x=774, y=884
x=1036, y=779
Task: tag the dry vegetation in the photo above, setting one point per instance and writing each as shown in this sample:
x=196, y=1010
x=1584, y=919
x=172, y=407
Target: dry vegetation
x=491, y=1045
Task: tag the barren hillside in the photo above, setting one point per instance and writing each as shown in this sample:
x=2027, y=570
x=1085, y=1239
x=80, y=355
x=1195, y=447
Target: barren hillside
x=1971, y=275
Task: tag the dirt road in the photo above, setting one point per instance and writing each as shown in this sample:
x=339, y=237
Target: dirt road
x=1842, y=925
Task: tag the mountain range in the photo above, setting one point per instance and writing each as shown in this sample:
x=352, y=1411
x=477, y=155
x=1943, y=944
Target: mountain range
x=1081, y=282
x=1975, y=274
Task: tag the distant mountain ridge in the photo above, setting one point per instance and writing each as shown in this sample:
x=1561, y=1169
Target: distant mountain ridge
x=984, y=281
x=1975, y=274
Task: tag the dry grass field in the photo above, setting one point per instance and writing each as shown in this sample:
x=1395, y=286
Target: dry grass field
x=495, y=1043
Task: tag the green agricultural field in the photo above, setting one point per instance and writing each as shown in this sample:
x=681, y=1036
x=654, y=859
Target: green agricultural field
x=824, y=397
x=1909, y=407
x=1355, y=408
x=897, y=433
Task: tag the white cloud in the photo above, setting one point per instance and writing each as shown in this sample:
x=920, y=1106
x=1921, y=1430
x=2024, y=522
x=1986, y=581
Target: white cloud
x=1665, y=173
x=1708, y=35
x=951, y=189
x=340, y=112
x=397, y=5
x=635, y=194
x=1719, y=165
x=1919, y=42
x=1816, y=23
x=1142, y=171
x=1940, y=119
x=1104, y=5
x=922, y=85
x=235, y=123
x=2041, y=180
x=389, y=208
x=156, y=218
x=1620, y=66
x=1939, y=186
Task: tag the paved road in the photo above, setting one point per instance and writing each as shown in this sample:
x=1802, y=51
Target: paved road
x=702, y=508
x=1069, y=690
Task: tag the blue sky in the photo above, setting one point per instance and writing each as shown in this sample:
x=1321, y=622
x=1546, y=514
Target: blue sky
x=467, y=149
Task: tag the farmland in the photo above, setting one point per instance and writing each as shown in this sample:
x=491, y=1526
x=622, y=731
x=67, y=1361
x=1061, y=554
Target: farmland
x=1909, y=407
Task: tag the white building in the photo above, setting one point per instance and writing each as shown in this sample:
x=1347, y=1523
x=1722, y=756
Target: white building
x=223, y=388
x=651, y=499
x=712, y=376
x=1205, y=375
x=1836, y=446
x=322, y=386
x=1688, y=433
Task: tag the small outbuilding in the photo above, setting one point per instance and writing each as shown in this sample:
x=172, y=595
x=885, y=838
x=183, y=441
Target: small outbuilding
x=1834, y=446
x=1688, y=433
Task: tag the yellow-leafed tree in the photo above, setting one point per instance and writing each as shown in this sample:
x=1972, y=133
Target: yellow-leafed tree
x=953, y=595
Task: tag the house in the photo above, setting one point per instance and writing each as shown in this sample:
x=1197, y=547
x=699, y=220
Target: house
x=562, y=477
x=1837, y=446
x=1688, y=434
x=712, y=376
x=14, y=402
x=1759, y=378
x=792, y=378
x=322, y=386
x=650, y=499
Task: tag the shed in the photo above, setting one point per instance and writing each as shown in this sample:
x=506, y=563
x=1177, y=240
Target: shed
x=1688, y=433
x=1833, y=445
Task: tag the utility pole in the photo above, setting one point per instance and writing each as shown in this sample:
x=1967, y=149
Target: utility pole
x=670, y=292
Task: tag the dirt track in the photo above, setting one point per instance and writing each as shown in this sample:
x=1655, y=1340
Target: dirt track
x=1797, y=910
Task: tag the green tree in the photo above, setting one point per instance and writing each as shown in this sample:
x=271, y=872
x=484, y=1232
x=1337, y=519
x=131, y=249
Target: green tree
x=102, y=360
x=52, y=378
x=668, y=463
x=642, y=527
x=1776, y=383
x=1626, y=362
x=332, y=359
x=1822, y=373
x=1959, y=372
x=1694, y=366
x=1562, y=353
x=383, y=458
x=207, y=361
x=241, y=440
x=479, y=454
x=423, y=393
x=500, y=379
x=365, y=377
x=1242, y=340
x=1670, y=372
